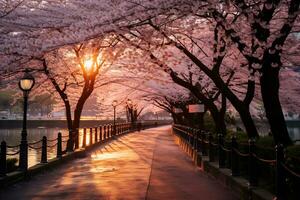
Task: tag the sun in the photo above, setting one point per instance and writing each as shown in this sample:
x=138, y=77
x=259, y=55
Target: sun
x=88, y=64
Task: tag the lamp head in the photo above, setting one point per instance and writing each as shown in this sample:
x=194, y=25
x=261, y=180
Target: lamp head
x=129, y=102
x=27, y=82
x=114, y=103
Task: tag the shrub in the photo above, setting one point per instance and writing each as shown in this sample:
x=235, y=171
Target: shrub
x=11, y=164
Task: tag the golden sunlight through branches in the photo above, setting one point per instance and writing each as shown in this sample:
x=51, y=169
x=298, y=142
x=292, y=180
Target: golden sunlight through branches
x=89, y=65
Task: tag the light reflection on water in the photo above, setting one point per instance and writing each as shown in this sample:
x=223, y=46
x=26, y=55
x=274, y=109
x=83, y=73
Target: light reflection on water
x=294, y=133
x=12, y=137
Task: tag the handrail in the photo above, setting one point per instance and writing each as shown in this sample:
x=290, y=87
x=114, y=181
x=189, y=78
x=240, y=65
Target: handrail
x=271, y=162
x=12, y=147
x=252, y=156
x=290, y=171
x=33, y=143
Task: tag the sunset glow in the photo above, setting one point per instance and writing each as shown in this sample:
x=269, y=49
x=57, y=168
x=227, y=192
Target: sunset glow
x=131, y=97
x=89, y=65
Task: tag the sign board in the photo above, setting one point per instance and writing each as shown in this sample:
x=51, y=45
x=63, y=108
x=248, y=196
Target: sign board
x=196, y=108
x=177, y=110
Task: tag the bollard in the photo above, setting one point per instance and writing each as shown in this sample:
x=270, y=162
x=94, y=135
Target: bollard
x=3, y=159
x=91, y=136
x=96, y=135
x=84, y=138
x=211, y=148
x=59, y=149
x=234, y=157
x=44, y=150
x=204, y=152
x=280, y=173
x=100, y=133
x=252, y=167
x=76, y=136
x=221, y=152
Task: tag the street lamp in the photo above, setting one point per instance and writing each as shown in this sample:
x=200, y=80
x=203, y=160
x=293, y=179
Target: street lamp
x=129, y=103
x=26, y=84
x=114, y=104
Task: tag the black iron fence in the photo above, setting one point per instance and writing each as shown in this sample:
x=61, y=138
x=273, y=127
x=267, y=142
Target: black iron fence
x=243, y=159
x=89, y=137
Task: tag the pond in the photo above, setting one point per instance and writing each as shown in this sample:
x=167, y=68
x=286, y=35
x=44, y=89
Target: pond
x=13, y=138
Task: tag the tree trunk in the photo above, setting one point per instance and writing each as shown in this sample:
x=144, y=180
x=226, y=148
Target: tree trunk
x=219, y=122
x=77, y=116
x=270, y=94
x=248, y=123
x=70, y=142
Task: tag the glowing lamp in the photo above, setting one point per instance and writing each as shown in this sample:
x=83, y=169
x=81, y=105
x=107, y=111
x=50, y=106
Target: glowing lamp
x=27, y=82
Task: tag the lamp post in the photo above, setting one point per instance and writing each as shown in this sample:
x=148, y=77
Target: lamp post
x=114, y=104
x=26, y=84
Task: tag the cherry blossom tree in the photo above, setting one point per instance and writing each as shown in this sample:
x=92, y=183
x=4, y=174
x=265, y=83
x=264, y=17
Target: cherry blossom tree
x=260, y=34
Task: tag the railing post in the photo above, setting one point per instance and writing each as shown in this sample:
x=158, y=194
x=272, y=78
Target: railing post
x=280, y=173
x=104, y=131
x=76, y=133
x=221, y=152
x=100, y=133
x=84, y=138
x=96, y=134
x=23, y=160
x=234, y=157
x=204, y=152
x=3, y=159
x=91, y=136
x=189, y=135
x=195, y=133
x=252, y=167
x=211, y=148
x=59, y=149
x=109, y=131
x=44, y=150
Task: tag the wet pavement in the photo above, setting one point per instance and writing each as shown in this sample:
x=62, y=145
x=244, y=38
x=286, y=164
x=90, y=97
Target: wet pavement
x=144, y=165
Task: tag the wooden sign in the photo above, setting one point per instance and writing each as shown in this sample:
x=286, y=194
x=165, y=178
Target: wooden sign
x=196, y=108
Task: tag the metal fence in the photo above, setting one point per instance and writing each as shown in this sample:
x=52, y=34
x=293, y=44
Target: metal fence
x=95, y=135
x=247, y=161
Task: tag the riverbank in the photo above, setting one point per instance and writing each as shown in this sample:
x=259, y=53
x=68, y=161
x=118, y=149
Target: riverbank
x=6, y=124
x=14, y=124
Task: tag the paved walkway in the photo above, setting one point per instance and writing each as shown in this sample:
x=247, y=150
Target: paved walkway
x=145, y=165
